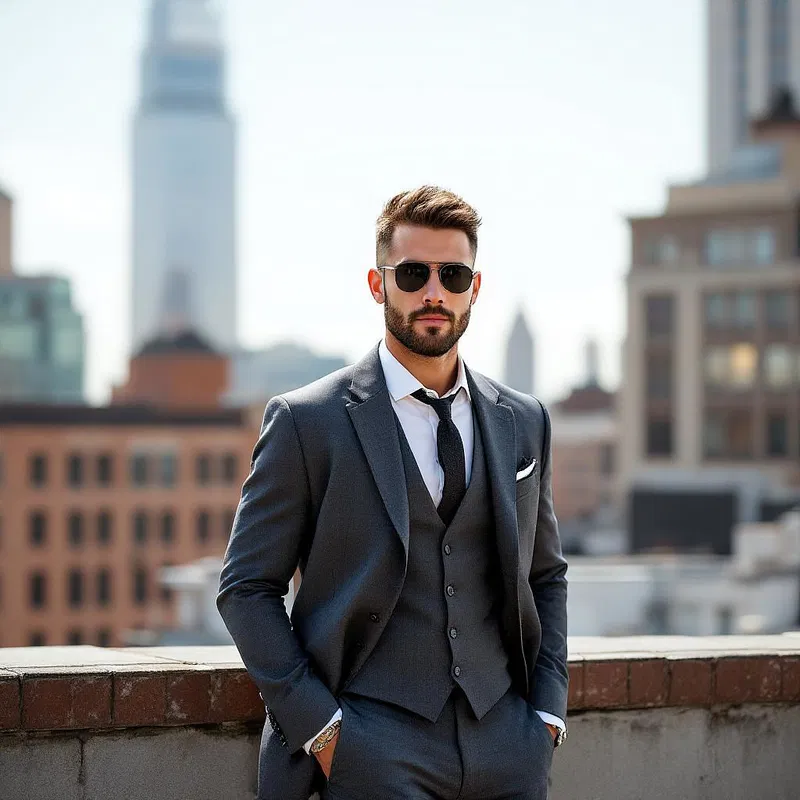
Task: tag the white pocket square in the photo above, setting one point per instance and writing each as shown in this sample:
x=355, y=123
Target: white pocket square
x=523, y=473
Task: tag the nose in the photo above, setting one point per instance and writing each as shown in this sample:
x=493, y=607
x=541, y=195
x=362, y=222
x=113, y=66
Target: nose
x=434, y=292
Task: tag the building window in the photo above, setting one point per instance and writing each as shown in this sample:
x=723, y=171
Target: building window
x=728, y=434
x=778, y=309
x=38, y=528
x=36, y=639
x=168, y=527
x=744, y=309
x=659, y=437
x=779, y=366
x=74, y=470
x=38, y=587
x=659, y=313
x=227, y=523
x=659, y=375
x=139, y=469
x=75, y=588
x=716, y=310
x=203, y=469
x=74, y=637
x=75, y=529
x=777, y=434
x=104, y=523
x=764, y=246
x=229, y=468
x=606, y=459
x=203, y=526
x=733, y=367
x=139, y=586
x=104, y=637
x=740, y=248
x=105, y=469
x=663, y=250
x=168, y=469
x=140, y=527
x=103, y=587
x=38, y=470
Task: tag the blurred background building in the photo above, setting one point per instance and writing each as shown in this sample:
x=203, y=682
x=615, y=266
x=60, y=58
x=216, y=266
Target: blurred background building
x=184, y=180
x=518, y=370
x=585, y=437
x=95, y=501
x=41, y=333
x=753, y=52
x=712, y=356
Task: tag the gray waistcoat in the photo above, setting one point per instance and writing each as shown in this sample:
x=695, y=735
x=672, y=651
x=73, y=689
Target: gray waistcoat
x=445, y=628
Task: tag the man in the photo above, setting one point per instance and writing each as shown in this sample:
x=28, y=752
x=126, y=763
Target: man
x=426, y=653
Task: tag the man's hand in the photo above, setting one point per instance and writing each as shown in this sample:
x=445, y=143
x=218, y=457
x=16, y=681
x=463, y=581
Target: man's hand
x=553, y=730
x=325, y=756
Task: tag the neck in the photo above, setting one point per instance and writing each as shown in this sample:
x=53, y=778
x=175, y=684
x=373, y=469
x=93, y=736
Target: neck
x=438, y=373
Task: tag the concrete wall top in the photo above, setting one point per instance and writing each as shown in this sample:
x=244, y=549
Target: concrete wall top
x=63, y=688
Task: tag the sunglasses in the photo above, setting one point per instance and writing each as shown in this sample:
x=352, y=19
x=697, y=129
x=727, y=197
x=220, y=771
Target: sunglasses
x=411, y=276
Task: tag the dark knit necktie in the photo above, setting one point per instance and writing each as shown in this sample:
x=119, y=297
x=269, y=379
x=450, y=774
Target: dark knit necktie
x=451, y=454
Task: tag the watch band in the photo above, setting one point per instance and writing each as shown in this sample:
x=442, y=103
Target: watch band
x=324, y=739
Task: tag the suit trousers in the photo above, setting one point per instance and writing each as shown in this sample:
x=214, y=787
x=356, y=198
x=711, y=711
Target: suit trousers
x=387, y=752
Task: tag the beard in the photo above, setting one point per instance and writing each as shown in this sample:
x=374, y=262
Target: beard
x=436, y=341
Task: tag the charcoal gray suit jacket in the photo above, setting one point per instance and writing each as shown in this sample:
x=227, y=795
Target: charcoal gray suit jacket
x=327, y=492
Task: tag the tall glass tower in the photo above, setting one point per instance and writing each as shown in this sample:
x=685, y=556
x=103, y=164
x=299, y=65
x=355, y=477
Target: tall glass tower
x=184, y=177
x=753, y=52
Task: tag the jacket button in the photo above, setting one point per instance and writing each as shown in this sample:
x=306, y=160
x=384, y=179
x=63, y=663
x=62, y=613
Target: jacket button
x=450, y=590
x=453, y=633
x=456, y=670
x=374, y=617
x=447, y=550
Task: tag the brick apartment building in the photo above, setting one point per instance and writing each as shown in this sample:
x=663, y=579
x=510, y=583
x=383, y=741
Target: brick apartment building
x=94, y=501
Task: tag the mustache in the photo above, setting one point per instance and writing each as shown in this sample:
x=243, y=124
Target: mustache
x=424, y=312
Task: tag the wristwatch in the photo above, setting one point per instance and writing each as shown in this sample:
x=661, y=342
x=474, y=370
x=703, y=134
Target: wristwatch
x=324, y=739
x=561, y=737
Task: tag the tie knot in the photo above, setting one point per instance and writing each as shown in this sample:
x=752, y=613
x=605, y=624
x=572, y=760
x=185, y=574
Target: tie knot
x=441, y=405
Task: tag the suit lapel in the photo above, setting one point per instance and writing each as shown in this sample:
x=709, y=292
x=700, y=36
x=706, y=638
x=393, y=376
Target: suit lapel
x=376, y=427
x=500, y=446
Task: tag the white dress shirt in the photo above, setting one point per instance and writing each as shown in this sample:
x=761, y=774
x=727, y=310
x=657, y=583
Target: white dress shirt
x=419, y=422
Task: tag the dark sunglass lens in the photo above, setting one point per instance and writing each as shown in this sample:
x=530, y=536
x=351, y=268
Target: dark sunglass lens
x=411, y=277
x=455, y=278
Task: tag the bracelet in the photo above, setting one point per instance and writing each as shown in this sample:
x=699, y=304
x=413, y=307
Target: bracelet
x=324, y=739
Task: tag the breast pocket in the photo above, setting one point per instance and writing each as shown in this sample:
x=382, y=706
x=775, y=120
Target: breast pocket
x=526, y=484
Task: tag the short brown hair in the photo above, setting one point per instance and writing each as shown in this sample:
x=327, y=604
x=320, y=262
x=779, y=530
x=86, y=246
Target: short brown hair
x=430, y=207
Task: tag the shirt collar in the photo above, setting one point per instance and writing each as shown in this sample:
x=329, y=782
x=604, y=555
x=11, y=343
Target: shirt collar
x=401, y=383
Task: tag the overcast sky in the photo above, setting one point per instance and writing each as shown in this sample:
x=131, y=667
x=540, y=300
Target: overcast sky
x=555, y=119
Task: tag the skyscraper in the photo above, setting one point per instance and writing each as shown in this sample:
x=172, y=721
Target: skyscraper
x=754, y=51
x=519, y=356
x=184, y=179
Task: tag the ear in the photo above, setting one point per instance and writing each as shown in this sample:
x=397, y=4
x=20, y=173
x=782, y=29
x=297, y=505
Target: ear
x=375, y=281
x=476, y=287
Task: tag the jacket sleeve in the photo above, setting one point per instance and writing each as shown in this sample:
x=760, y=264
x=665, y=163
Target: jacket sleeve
x=549, y=678
x=271, y=526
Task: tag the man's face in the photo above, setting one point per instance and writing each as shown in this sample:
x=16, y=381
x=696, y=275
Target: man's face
x=428, y=322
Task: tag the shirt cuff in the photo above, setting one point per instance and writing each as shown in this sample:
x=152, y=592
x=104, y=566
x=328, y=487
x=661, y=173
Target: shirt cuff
x=550, y=718
x=334, y=718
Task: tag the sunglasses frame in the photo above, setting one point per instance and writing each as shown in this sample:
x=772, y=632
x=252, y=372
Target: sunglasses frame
x=434, y=266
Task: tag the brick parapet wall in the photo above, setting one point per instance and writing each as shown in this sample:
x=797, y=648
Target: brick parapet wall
x=89, y=688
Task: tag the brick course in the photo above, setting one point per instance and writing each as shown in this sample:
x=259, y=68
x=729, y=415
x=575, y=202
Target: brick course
x=107, y=688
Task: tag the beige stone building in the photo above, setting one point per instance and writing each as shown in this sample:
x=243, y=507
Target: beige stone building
x=710, y=396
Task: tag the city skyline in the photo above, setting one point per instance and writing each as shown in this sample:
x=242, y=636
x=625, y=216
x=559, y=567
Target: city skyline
x=541, y=145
